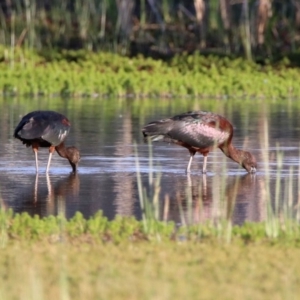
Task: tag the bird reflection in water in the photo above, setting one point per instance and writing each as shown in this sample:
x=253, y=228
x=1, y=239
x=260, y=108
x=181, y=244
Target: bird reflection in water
x=53, y=199
x=199, y=199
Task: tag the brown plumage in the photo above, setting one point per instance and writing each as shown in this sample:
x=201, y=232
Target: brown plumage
x=200, y=131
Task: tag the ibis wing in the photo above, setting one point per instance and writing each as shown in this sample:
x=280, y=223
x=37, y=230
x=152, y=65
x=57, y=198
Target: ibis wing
x=55, y=134
x=197, y=134
x=197, y=129
x=30, y=128
x=158, y=130
x=50, y=127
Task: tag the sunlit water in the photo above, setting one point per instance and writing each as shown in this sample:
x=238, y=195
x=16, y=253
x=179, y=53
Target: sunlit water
x=107, y=132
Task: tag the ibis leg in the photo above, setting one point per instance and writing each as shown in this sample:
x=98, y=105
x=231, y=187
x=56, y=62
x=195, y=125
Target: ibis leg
x=51, y=150
x=36, y=160
x=188, y=169
x=49, y=161
x=204, y=164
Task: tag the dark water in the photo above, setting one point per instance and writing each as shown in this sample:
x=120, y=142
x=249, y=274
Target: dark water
x=106, y=131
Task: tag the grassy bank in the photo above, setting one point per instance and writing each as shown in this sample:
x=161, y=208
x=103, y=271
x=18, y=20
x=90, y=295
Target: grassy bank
x=52, y=258
x=83, y=73
x=148, y=271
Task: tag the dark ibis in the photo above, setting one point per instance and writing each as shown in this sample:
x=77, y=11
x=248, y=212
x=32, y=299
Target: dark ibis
x=47, y=129
x=200, y=131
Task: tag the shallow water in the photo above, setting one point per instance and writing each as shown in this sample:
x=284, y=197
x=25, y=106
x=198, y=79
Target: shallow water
x=106, y=132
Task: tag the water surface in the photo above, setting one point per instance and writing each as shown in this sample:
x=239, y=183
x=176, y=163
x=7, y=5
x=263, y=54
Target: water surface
x=106, y=132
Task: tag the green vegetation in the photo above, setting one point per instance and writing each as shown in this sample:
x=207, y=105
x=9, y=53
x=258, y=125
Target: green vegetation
x=82, y=73
x=53, y=258
x=98, y=228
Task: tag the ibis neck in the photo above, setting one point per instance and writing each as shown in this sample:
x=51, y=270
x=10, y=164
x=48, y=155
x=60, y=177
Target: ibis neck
x=62, y=150
x=70, y=153
x=235, y=154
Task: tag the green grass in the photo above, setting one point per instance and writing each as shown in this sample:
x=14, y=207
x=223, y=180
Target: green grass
x=83, y=73
x=85, y=270
x=52, y=258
